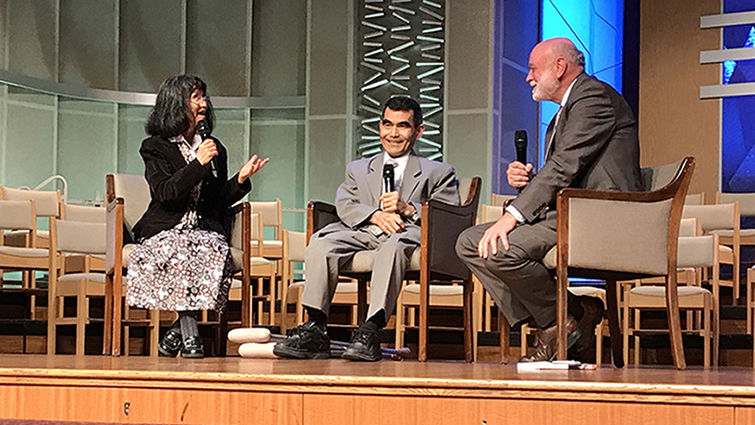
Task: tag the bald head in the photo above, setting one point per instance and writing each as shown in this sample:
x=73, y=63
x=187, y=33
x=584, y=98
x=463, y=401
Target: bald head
x=554, y=64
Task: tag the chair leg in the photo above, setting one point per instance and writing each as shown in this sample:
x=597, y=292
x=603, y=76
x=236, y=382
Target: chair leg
x=613, y=323
x=362, y=301
x=625, y=327
x=504, y=329
x=221, y=345
x=468, y=322
x=707, y=310
x=273, y=283
x=117, y=303
x=599, y=343
x=524, y=332
x=399, y=327
x=675, y=327
x=81, y=318
x=750, y=295
x=153, y=331
x=107, y=327
x=424, y=301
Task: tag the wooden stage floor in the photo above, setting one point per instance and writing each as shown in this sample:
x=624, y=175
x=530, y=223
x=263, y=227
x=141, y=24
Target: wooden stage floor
x=234, y=390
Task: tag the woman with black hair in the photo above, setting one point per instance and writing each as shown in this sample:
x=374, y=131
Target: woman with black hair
x=182, y=261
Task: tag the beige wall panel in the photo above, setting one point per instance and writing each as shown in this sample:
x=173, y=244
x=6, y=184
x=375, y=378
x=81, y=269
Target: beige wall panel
x=87, y=42
x=131, y=120
x=31, y=38
x=467, y=144
x=283, y=177
x=673, y=120
x=230, y=129
x=279, y=46
x=216, y=45
x=327, y=165
x=29, y=150
x=150, y=43
x=86, y=140
x=328, y=72
x=468, y=59
x=3, y=33
x=379, y=410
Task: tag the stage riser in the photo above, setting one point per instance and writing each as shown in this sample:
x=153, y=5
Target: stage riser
x=151, y=405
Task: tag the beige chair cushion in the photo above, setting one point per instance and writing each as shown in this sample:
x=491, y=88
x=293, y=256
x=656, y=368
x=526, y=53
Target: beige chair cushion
x=269, y=210
x=23, y=252
x=660, y=291
x=588, y=291
x=712, y=217
x=81, y=237
x=437, y=289
x=126, y=251
x=297, y=243
x=362, y=262
x=94, y=277
x=135, y=192
x=490, y=213
x=16, y=215
x=695, y=251
x=268, y=244
x=46, y=203
x=746, y=201
x=730, y=233
x=550, y=258
x=18, y=237
x=84, y=213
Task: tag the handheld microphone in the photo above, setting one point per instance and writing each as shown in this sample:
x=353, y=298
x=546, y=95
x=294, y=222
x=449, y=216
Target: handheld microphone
x=389, y=184
x=203, y=128
x=520, y=144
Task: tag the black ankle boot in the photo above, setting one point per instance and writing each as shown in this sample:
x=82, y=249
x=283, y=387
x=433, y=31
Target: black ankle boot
x=193, y=348
x=170, y=344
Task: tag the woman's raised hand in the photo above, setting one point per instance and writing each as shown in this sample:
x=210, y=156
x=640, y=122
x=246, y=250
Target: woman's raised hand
x=252, y=166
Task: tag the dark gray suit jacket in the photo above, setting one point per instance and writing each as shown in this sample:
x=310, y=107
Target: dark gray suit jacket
x=358, y=197
x=594, y=146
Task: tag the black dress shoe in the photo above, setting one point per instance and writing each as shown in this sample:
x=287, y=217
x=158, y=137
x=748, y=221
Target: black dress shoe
x=583, y=349
x=170, y=344
x=545, y=342
x=306, y=341
x=193, y=348
x=364, y=346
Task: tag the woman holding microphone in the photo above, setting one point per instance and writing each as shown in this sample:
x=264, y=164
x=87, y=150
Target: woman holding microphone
x=182, y=261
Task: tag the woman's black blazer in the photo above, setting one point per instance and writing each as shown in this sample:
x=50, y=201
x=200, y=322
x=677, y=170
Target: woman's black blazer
x=171, y=181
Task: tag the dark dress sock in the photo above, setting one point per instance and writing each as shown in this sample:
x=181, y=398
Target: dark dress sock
x=317, y=316
x=188, y=324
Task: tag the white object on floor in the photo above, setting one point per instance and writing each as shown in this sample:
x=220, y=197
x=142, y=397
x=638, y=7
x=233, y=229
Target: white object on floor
x=255, y=350
x=244, y=335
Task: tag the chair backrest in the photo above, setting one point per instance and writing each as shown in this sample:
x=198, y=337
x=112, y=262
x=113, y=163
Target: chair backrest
x=17, y=215
x=746, y=201
x=83, y=213
x=714, y=217
x=80, y=236
x=134, y=191
x=443, y=228
x=497, y=199
x=657, y=177
x=690, y=227
x=46, y=202
x=490, y=213
x=695, y=199
x=271, y=212
x=629, y=232
x=296, y=242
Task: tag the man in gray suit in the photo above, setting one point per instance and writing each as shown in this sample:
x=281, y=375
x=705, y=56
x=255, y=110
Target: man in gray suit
x=590, y=143
x=373, y=217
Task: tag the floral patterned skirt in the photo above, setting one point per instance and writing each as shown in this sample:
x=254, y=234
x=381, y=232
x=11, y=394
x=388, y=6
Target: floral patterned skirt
x=180, y=270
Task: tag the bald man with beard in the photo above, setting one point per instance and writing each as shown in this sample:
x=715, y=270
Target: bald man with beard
x=591, y=143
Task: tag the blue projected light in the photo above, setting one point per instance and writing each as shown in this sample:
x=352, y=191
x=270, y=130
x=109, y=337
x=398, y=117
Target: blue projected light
x=597, y=29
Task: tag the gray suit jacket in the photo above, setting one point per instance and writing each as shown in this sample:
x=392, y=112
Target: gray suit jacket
x=358, y=197
x=594, y=146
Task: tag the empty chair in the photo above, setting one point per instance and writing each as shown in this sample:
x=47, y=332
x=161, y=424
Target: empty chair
x=694, y=252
